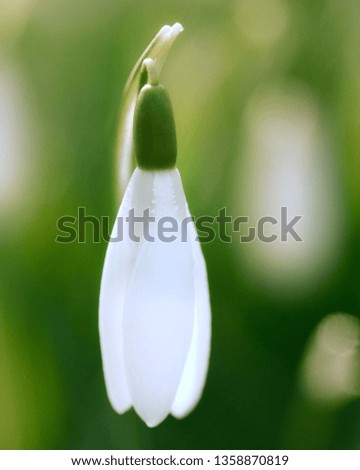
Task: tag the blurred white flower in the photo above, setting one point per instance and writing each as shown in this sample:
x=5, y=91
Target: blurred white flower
x=330, y=370
x=15, y=141
x=288, y=161
x=154, y=314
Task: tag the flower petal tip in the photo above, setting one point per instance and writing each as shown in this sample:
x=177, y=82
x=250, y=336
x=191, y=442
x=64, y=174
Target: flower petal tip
x=153, y=424
x=151, y=419
x=177, y=28
x=119, y=408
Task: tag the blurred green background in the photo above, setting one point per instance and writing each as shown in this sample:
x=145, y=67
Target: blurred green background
x=266, y=95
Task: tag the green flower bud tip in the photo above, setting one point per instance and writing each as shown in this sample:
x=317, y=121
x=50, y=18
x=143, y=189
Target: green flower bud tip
x=154, y=124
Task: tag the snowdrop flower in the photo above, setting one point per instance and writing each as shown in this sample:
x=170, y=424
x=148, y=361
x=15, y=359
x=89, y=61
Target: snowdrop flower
x=154, y=314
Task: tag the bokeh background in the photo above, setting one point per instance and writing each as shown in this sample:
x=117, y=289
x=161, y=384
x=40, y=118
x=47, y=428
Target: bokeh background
x=266, y=96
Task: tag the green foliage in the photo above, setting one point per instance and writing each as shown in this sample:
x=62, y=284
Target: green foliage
x=72, y=60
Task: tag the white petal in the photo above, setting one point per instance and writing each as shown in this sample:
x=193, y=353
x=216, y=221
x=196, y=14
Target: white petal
x=194, y=375
x=116, y=272
x=155, y=352
x=158, y=325
x=159, y=308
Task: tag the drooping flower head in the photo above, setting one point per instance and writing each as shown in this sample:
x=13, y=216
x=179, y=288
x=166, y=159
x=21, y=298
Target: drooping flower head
x=154, y=314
